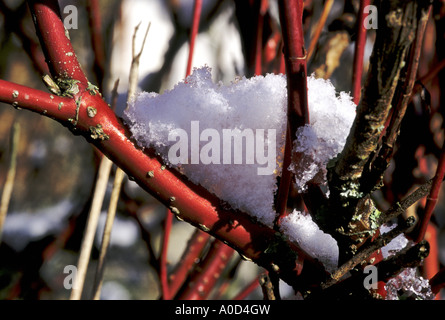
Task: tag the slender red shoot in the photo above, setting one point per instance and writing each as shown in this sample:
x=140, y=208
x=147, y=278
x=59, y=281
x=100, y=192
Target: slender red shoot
x=259, y=37
x=195, y=26
x=243, y=294
x=163, y=271
x=291, y=17
x=190, y=257
x=419, y=232
x=360, y=43
x=201, y=283
x=324, y=16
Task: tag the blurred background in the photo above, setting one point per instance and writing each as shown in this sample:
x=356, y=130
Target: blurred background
x=56, y=170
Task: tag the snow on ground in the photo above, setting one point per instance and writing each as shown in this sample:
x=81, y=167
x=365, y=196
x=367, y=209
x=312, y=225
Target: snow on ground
x=20, y=228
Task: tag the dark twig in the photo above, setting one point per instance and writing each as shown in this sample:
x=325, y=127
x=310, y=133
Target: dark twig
x=353, y=288
x=372, y=179
x=366, y=250
x=267, y=287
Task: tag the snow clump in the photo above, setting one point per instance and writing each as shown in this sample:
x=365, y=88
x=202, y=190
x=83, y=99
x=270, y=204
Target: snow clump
x=331, y=118
x=305, y=232
x=230, y=138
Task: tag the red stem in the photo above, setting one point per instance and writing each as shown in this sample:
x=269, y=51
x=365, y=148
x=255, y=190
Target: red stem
x=259, y=37
x=37, y=101
x=203, y=281
x=321, y=23
x=359, y=53
x=195, y=26
x=95, y=23
x=431, y=264
x=291, y=15
x=419, y=232
x=189, y=258
x=248, y=289
x=163, y=272
x=438, y=281
x=57, y=47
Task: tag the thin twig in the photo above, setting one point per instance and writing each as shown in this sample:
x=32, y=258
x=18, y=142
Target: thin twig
x=134, y=68
x=402, y=206
x=352, y=287
x=259, y=36
x=95, y=24
x=204, y=278
x=163, y=270
x=431, y=202
x=93, y=219
x=267, y=287
x=366, y=250
x=194, y=248
x=321, y=23
x=359, y=52
x=106, y=237
x=195, y=27
x=10, y=175
x=438, y=281
x=119, y=175
x=246, y=291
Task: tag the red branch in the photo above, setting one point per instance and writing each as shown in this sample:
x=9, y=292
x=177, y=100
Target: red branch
x=248, y=289
x=163, y=272
x=359, y=52
x=195, y=26
x=55, y=41
x=291, y=15
x=259, y=36
x=22, y=97
x=438, y=281
x=189, y=258
x=202, y=282
x=422, y=225
x=431, y=265
x=95, y=23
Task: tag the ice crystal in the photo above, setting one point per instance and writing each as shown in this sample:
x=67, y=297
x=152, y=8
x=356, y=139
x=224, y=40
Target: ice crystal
x=408, y=285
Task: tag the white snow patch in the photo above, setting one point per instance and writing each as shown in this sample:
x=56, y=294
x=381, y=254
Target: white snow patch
x=20, y=228
x=331, y=118
x=302, y=230
x=258, y=103
x=124, y=233
x=396, y=244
